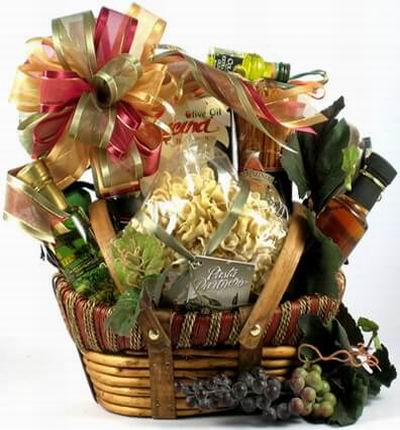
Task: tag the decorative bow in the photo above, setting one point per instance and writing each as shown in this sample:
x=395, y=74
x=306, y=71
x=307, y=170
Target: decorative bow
x=95, y=94
x=92, y=91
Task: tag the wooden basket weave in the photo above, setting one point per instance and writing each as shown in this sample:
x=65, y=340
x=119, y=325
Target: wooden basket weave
x=136, y=375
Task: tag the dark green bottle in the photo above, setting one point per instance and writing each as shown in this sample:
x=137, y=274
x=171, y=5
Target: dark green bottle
x=75, y=247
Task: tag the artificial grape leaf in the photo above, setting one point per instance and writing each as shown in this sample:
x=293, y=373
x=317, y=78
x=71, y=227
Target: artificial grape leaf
x=328, y=168
x=292, y=162
x=321, y=260
x=351, y=155
x=386, y=373
x=351, y=391
x=125, y=312
x=348, y=323
x=367, y=325
x=316, y=165
x=137, y=255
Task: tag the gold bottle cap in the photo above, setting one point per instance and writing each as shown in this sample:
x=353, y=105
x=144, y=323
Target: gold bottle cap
x=37, y=175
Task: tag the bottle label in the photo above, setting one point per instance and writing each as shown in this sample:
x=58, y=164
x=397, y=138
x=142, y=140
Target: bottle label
x=75, y=256
x=205, y=118
x=226, y=62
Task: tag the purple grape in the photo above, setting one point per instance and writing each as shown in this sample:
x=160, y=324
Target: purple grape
x=283, y=412
x=273, y=389
x=191, y=401
x=227, y=400
x=222, y=380
x=248, y=379
x=270, y=413
x=259, y=386
x=239, y=390
x=248, y=404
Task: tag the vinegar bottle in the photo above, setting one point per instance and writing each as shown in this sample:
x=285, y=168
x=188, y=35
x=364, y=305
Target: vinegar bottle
x=344, y=218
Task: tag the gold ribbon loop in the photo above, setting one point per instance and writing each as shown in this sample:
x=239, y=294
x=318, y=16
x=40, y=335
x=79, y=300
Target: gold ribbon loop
x=116, y=78
x=91, y=124
x=73, y=43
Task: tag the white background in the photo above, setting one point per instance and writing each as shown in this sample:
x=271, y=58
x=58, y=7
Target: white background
x=358, y=42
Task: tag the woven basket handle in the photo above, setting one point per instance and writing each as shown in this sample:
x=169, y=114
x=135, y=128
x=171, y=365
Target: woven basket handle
x=157, y=340
x=254, y=329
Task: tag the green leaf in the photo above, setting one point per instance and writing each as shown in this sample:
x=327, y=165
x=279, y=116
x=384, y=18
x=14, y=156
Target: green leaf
x=136, y=256
x=351, y=155
x=125, y=312
x=319, y=264
x=292, y=162
x=353, y=331
x=386, y=373
x=368, y=326
x=328, y=167
x=352, y=396
x=317, y=167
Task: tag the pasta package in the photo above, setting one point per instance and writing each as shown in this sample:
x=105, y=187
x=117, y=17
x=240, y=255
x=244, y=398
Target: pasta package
x=206, y=216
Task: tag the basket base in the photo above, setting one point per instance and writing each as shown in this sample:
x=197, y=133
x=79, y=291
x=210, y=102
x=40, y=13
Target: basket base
x=121, y=383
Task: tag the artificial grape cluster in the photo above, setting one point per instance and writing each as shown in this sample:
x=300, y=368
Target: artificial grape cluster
x=253, y=391
x=312, y=392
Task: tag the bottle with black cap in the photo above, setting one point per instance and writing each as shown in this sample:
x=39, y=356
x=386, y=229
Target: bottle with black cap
x=344, y=218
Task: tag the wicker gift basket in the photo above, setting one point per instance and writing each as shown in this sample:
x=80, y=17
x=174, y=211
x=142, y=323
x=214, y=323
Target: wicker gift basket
x=269, y=332
x=136, y=375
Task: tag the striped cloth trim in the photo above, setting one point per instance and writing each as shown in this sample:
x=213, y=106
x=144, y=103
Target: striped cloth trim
x=86, y=323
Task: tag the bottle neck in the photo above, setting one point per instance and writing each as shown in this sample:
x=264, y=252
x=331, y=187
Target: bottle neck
x=38, y=177
x=366, y=190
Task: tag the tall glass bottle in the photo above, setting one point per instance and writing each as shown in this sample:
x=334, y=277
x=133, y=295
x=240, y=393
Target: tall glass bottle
x=75, y=247
x=250, y=66
x=344, y=218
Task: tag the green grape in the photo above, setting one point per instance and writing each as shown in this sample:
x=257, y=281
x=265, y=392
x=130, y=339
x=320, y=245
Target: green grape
x=307, y=409
x=331, y=398
x=308, y=394
x=297, y=384
x=326, y=409
x=296, y=406
x=316, y=410
x=299, y=372
x=313, y=380
x=316, y=368
x=325, y=387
